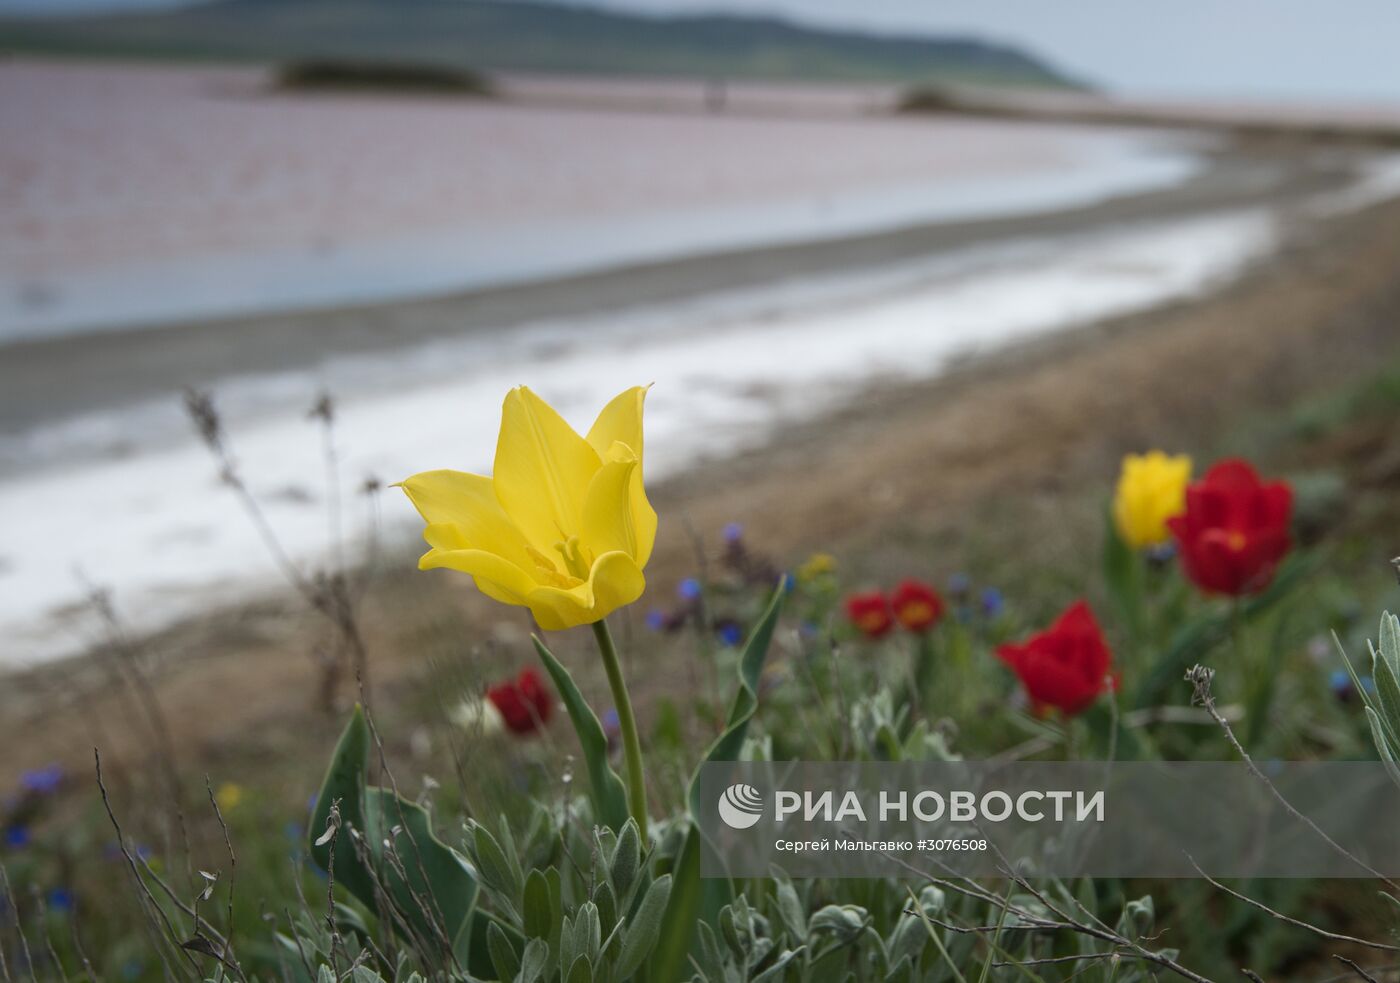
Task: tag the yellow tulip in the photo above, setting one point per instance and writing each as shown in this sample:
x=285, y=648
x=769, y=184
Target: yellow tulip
x=562, y=527
x=1151, y=489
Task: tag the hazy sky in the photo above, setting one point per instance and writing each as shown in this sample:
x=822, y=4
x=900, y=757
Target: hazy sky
x=1320, y=49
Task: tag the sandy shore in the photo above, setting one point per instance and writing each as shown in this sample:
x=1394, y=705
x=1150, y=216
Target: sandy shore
x=904, y=468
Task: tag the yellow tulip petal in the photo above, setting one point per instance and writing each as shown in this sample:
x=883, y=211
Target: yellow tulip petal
x=445, y=536
x=1151, y=489
x=543, y=468
x=614, y=581
x=495, y=577
x=468, y=502
x=636, y=513
x=607, y=509
x=620, y=420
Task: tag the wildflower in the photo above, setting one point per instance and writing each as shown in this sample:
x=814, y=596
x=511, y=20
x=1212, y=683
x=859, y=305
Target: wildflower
x=612, y=726
x=43, y=781
x=61, y=900
x=870, y=612
x=731, y=633
x=1339, y=682
x=1234, y=531
x=17, y=837
x=916, y=605
x=1151, y=489
x=477, y=716
x=689, y=589
x=228, y=796
x=733, y=532
x=656, y=619
x=563, y=526
x=1066, y=666
x=816, y=566
x=992, y=602
x=524, y=702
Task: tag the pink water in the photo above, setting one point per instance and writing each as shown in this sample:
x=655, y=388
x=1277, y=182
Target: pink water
x=110, y=168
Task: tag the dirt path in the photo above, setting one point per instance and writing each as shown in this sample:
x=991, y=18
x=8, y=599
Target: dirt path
x=912, y=458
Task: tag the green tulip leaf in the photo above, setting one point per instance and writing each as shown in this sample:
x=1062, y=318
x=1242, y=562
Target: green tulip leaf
x=606, y=790
x=385, y=851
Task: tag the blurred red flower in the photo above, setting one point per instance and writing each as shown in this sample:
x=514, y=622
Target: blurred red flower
x=1234, y=531
x=916, y=605
x=1066, y=666
x=870, y=612
x=524, y=702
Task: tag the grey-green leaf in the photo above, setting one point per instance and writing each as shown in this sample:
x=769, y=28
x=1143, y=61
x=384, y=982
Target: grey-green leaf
x=627, y=858
x=533, y=962
x=503, y=955
x=496, y=868
x=539, y=913
x=644, y=928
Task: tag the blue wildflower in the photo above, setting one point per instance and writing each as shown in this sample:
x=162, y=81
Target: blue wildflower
x=689, y=589
x=17, y=837
x=733, y=532
x=61, y=900
x=992, y=602
x=656, y=620
x=43, y=781
x=788, y=583
x=730, y=633
x=1339, y=682
x=612, y=726
x=1162, y=553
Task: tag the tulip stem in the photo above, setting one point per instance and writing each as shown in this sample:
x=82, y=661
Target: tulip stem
x=627, y=723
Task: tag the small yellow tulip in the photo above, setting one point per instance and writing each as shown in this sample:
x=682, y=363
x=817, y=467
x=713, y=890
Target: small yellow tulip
x=563, y=526
x=1151, y=489
x=816, y=566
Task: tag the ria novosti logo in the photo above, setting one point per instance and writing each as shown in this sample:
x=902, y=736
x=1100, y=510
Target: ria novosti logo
x=740, y=806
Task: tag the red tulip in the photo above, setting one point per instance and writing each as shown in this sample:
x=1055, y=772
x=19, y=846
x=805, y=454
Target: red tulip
x=916, y=605
x=524, y=702
x=870, y=612
x=1234, y=531
x=1066, y=666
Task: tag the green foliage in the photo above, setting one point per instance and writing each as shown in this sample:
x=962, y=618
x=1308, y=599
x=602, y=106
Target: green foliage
x=383, y=849
x=1383, y=706
x=608, y=794
x=696, y=901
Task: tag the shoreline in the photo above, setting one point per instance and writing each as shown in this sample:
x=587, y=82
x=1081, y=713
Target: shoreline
x=111, y=369
x=917, y=457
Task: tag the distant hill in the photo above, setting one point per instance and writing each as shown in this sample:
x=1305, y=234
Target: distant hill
x=525, y=36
